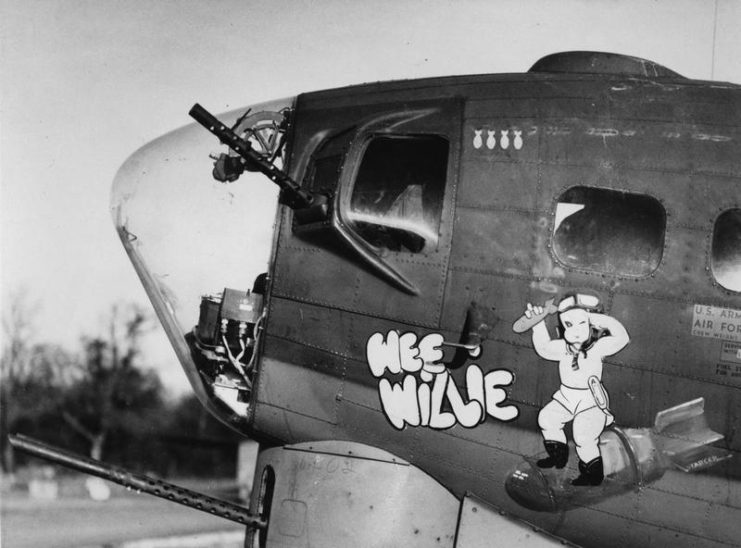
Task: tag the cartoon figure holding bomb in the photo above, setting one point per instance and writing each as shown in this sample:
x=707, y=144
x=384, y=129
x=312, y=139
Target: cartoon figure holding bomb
x=588, y=336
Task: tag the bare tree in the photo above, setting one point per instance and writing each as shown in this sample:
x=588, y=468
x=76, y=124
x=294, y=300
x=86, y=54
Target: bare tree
x=113, y=391
x=32, y=374
x=14, y=363
x=101, y=390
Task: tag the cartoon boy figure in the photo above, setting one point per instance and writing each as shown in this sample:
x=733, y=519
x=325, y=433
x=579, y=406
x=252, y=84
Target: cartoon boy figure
x=588, y=337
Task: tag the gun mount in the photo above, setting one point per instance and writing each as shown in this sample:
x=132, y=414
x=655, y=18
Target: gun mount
x=291, y=193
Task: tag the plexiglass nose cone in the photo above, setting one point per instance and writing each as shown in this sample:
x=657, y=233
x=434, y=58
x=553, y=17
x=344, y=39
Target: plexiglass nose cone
x=190, y=237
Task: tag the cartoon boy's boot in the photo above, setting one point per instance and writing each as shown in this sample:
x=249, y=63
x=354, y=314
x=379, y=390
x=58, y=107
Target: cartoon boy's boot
x=590, y=473
x=558, y=455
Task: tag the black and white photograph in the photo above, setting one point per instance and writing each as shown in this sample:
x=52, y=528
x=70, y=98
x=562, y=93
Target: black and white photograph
x=419, y=273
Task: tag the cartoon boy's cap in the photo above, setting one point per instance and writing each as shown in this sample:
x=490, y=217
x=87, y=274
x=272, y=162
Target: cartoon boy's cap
x=590, y=303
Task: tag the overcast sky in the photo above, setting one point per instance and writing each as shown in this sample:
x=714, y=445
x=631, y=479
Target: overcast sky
x=85, y=83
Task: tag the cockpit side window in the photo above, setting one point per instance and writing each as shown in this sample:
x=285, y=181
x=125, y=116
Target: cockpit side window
x=609, y=231
x=725, y=259
x=397, y=197
x=325, y=173
x=324, y=170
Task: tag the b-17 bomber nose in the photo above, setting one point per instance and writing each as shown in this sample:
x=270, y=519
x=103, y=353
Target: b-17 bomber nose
x=198, y=245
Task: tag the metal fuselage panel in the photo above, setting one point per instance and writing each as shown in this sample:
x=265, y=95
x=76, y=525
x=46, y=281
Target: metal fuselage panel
x=677, y=142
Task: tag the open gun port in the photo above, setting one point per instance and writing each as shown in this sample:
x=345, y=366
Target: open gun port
x=223, y=343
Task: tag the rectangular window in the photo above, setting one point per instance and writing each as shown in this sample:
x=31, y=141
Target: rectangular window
x=325, y=173
x=609, y=231
x=324, y=169
x=726, y=251
x=397, y=198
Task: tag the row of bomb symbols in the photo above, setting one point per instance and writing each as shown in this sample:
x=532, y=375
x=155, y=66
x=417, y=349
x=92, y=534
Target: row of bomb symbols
x=491, y=139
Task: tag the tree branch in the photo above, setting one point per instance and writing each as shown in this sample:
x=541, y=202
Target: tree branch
x=77, y=426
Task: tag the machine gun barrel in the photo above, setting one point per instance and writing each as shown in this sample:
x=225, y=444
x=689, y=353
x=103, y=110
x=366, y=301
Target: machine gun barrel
x=152, y=486
x=294, y=196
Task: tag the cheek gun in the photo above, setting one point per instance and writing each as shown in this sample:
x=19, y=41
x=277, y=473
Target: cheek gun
x=291, y=193
x=140, y=483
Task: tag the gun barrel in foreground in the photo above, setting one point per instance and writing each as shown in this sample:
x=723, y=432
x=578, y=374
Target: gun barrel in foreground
x=140, y=483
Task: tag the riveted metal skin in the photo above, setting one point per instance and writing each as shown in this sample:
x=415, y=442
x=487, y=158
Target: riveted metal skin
x=675, y=140
x=525, y=153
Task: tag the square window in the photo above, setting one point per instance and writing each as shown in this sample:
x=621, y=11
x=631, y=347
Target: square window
x=397, y=198
x=725, y=259
x=609, y=231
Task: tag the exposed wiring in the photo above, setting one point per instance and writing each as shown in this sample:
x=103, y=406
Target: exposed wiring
x=235, y=360
x=258, y=333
